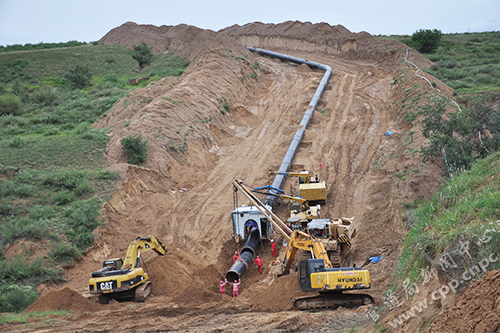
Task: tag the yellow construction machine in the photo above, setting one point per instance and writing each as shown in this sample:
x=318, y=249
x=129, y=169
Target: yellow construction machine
x=310, y=189
x=125, y=280
x=317, y=274
x=336, y=236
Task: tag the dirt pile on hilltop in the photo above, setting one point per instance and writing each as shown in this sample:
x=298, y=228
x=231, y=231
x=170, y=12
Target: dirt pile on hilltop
x=477, y=309
x=63, y=299
x=185, y=40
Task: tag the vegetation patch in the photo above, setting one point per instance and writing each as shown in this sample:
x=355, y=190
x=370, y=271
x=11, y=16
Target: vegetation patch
x=54, y=176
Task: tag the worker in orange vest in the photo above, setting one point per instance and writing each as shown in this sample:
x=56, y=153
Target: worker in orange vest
x=273, y=248
x=259, y=264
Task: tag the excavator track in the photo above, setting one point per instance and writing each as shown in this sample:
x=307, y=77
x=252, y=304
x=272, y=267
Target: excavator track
x=331, y=301
x=142, y=292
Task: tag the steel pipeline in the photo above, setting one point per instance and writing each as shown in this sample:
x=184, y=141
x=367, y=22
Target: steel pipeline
x=297, y=138
x=245, y=259
x=248, y=252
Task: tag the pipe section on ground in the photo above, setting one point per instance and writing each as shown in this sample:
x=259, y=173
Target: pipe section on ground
x=297, y=138
x=247, y=254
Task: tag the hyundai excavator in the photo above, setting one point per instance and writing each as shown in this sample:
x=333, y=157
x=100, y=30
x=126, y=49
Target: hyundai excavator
x=319, y=275
x=316, y=274
x=125, y=280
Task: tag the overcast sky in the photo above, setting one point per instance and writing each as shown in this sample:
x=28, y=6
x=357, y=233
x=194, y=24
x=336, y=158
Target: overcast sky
x=35, y=21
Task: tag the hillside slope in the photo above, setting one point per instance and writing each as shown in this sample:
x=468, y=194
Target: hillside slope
x=183, y=194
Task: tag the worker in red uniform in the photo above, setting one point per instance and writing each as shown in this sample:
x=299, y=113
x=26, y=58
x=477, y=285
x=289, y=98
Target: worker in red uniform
x=259, y=264
x=223, y=287
x=235, y=257
x=236, y=288
x=273, y=248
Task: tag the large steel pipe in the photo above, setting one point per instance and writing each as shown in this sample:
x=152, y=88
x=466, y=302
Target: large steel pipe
x=246, y=256
x=297, y=138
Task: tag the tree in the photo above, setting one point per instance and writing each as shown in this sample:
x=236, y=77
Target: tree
x=142, y=54
x=425, y=41
x=461, y=137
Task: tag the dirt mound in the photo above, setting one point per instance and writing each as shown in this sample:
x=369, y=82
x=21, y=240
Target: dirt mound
x=476, y=310
x=279, y=295
x=186, y=40
x=320, y=38
x=63, y=299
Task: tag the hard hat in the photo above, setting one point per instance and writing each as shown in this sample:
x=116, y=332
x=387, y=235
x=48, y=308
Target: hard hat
x=272, y=240
x=235, y=252
x=236, y=281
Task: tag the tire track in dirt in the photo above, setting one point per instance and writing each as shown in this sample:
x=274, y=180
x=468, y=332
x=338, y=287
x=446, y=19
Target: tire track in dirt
x=249, y=160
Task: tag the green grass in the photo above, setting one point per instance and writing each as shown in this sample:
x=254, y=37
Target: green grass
x=469, y=62
x=465, y=211
x=25, y=318
x=53, y=176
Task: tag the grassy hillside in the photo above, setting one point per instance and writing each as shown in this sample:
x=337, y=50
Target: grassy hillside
x=458, y=230
x=53, y=176
x=469, y=63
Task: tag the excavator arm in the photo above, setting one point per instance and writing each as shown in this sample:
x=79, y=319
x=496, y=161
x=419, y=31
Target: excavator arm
x=301, y=241
x=132, y=258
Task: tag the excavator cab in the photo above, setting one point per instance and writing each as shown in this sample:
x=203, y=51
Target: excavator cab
x=113, y=263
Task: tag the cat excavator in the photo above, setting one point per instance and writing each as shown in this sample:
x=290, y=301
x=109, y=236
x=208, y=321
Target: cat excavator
x=125, y=280
x=318, y=273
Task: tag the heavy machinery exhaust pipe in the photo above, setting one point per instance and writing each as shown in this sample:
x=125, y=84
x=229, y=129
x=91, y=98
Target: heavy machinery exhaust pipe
x=297, y=138
x=247, y=254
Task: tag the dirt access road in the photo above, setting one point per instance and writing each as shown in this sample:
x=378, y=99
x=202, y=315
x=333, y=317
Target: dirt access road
x=183, y=194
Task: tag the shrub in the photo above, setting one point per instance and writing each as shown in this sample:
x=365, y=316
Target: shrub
x=16, y=298
x=45, y=97
x=18, y=269
x=24, y=227
x=66, y=178
x=23, y=190
x=224, y=105
x=82, y=220
x=64, y=253
x=425, y=41
x=135, y=149
x=142, y=54
x=79, y=77
x=63, y=197
x=455, y=137
x=83, y=127
x=10, y=104
x=17, y=142
x=41, y=213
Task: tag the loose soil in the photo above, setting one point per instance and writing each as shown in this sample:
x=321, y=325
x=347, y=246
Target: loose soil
x=183, y=194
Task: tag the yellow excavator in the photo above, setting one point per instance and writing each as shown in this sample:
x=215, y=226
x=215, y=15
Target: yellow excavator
x=316, y=274
x=319, y=275
x=125, y=280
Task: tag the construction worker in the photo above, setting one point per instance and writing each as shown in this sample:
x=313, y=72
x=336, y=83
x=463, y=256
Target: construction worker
x=223, y=286
x=235, y=257
x=273, y=248
x=236, y=288
x=259, y=264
